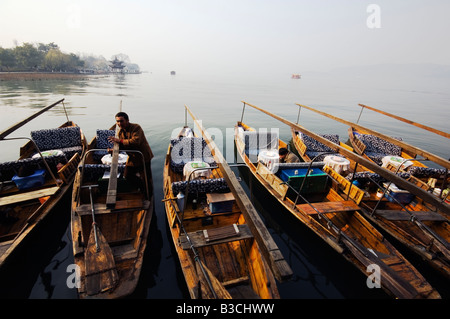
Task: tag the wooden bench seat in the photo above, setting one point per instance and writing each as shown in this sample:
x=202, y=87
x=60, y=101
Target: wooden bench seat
x=328, y=207
x=122, y=205
x=25, y=196
x=215, y=236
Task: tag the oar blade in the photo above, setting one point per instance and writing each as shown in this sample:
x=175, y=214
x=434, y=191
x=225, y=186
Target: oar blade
x=101, y=272
x=220, y=291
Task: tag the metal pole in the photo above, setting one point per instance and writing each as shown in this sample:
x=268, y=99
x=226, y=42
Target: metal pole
x=65, y=111
x=362, y=108
x=242, y=116
x=298, y=116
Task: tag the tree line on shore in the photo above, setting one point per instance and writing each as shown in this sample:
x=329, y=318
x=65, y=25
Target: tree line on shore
x=40, y=57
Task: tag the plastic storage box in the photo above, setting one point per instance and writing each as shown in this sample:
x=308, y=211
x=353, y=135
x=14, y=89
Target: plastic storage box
x=395, y=194
x=35, y=180
x=316, y=181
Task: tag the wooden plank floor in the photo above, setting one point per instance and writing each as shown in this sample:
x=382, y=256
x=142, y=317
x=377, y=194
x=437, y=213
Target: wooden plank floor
x=222, y=261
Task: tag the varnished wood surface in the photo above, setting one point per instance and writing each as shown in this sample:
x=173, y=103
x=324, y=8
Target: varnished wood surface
x=226, y=261
x=30, y=207
x=398, y=222
x=350, y=234
x=125, y=227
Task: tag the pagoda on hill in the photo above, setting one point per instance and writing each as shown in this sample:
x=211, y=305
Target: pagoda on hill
x=117, y=65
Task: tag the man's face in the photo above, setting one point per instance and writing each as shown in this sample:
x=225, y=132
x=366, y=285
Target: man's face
x=121, y=122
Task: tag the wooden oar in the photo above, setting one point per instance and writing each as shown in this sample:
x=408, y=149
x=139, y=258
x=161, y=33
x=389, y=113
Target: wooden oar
x=25, y=121
x=219, y=290
x=447, y=135
x=112, y=184
x=396, y=284
x=202, y=272
x=390, y=279
x=101, y=273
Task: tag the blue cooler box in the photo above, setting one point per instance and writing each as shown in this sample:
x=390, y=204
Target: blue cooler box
x=395, y=194
x=316, y=182
x=35, y=180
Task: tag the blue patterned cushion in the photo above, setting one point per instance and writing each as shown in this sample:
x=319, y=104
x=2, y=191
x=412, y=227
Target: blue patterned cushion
x=315, y=146
x=426, y=171
x=366, y=176
x=102, y=142
x=376, y=157
x=70, y=151
x=187, y=149
x=256, y=141
x=375, y=144
x=214, y=185
x=102, y=138
x=11, y=168
x=51, y=139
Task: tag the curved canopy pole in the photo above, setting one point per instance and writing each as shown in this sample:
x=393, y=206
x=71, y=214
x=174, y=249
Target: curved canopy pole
x=422, y=126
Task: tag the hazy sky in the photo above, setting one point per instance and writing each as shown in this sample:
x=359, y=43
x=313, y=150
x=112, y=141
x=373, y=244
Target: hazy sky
x=237, y=35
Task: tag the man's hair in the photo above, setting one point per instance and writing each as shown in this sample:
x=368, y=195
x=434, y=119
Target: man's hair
x=283, y=151
x=122, y=114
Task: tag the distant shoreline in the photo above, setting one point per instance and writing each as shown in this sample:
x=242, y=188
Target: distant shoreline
x=38, y=76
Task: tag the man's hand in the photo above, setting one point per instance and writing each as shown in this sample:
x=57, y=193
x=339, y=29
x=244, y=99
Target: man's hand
x=113, y=139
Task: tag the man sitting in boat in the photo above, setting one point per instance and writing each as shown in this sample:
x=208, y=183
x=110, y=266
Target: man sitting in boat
x=131, y=137
x=287, y=157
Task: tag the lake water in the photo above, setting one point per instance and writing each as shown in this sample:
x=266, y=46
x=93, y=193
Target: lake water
x=156, y=101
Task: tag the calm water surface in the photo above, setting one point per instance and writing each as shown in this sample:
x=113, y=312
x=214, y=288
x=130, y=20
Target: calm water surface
x=156, y=101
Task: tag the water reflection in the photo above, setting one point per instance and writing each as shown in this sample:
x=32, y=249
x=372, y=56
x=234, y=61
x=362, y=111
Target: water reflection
x=120, y=83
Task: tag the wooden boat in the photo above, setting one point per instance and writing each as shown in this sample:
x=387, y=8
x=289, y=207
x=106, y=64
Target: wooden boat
x=375, y=148
x=336, y=219
x=399, y=160
x=25, y=201
x=109, y=237
x=406, y=218
x=216, y=245
x=397, y=156
x=406, y=148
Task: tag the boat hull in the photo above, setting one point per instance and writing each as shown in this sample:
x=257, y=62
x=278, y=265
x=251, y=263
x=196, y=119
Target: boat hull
x=27, y=208
x=124, y=226
x=353, y=235
x=223, y=268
